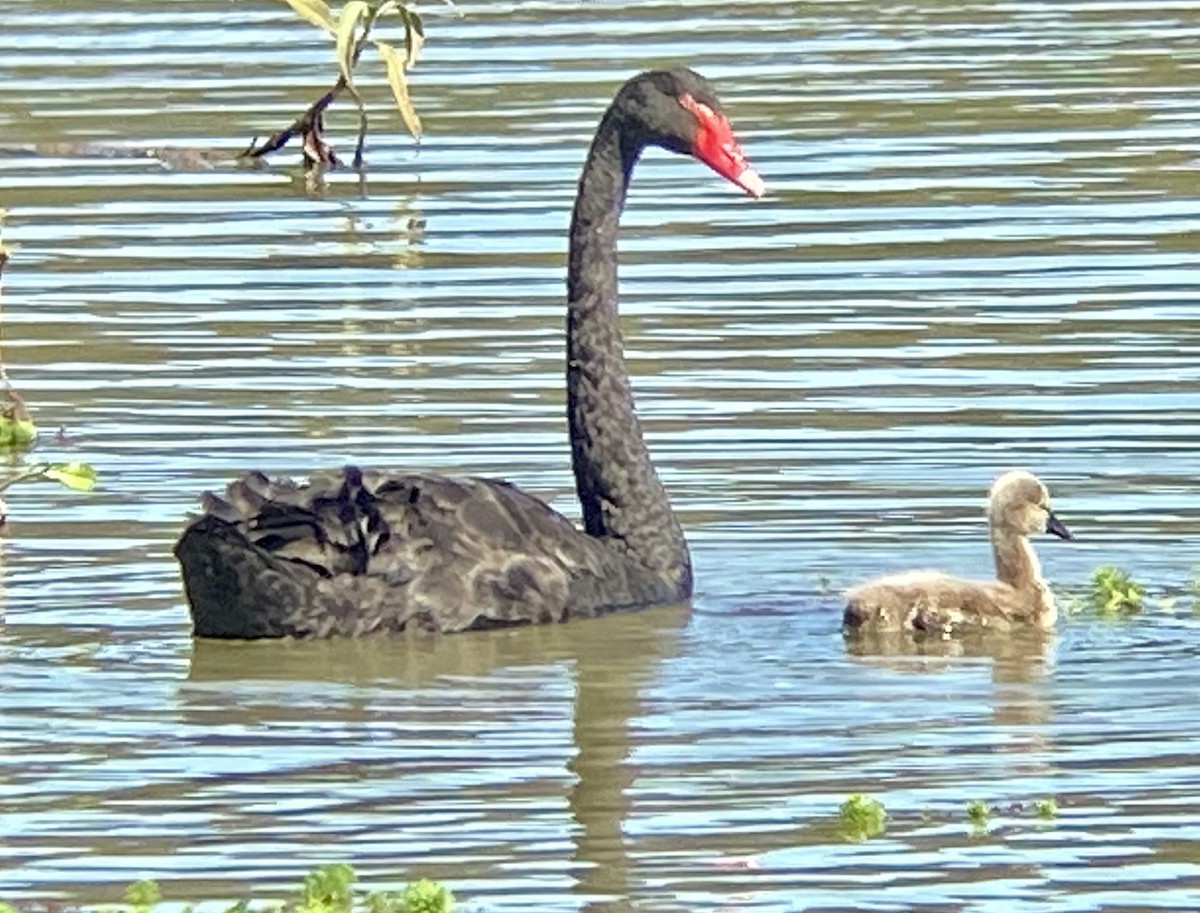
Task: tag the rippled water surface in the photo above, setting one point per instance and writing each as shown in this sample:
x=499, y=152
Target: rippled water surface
x=979, y=250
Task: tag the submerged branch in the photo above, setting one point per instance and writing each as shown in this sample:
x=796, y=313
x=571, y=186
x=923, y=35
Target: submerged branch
x=310, y=125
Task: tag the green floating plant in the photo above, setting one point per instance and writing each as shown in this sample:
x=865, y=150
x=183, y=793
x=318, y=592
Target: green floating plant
x=422, y=896
x=326, y=889
x=142, y=896
x=979, y=813
x=862, y=817
x=1046, y=808
x=330, y=889
x=1113, y=590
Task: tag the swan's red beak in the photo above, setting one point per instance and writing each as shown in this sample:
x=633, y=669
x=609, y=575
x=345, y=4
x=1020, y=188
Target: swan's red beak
x=716, y=147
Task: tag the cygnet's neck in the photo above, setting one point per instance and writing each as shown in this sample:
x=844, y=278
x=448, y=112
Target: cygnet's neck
x=1017, y=566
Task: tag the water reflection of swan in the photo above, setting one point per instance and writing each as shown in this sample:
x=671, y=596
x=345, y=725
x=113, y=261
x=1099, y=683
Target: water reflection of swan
x=394, y=722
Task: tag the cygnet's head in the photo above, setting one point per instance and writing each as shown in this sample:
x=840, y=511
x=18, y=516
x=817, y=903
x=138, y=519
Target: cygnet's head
x=1021, y=503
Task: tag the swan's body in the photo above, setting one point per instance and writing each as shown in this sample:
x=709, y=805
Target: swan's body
x=931, y=601
x=358, y=551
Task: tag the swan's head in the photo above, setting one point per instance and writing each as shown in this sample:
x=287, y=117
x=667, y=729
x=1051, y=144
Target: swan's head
x=678, y=110
x=1021, y=503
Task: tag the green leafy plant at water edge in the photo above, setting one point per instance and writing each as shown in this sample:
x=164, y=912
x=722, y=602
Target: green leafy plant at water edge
x=1046, y=808
x=862, y=817
x=1114, y=590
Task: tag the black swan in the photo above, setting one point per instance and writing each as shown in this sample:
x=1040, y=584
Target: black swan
x=356, y=551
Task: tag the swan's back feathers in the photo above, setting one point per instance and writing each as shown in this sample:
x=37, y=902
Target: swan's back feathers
x=932, y=601
x=356, y=551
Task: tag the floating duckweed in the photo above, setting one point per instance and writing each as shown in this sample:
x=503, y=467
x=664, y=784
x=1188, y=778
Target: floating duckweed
x=425, y=896
x=1046, y=808
x=979, y=812
x=1114, y=590
x=327, y=889
x=141, y=896
x=862, y=817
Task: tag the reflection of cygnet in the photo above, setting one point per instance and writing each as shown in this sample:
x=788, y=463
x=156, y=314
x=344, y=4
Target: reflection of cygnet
x=932, y=601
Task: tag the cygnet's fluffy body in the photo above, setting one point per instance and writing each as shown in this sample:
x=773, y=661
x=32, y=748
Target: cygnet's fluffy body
x=932, y=601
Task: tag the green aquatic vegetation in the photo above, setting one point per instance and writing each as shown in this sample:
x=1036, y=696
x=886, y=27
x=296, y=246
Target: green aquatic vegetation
x=1114, y=590
x=979, y=813
x=422, y=896
x=1046, y=808
x=142, y=896
x=17, y=430
x=862, y=817
x=326, y=889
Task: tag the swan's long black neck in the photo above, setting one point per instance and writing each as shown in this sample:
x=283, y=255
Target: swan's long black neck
x=622, y=497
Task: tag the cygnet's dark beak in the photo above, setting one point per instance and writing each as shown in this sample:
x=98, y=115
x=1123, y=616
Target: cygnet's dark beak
x=1056, y=526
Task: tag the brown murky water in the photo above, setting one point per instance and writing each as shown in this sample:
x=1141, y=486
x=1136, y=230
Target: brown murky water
x=980, y=250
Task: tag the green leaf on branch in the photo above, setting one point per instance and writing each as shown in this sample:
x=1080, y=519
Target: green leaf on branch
x=76, y=476
x=314, y=11
x=347, y=27
x=395, y=61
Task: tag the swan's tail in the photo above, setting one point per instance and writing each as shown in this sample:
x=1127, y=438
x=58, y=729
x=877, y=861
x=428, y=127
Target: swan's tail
x=236, y=589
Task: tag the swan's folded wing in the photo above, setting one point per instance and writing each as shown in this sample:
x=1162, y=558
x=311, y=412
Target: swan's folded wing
x=450, y=553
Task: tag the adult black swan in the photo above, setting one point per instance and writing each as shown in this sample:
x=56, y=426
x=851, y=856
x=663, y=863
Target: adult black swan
x=355, y=551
